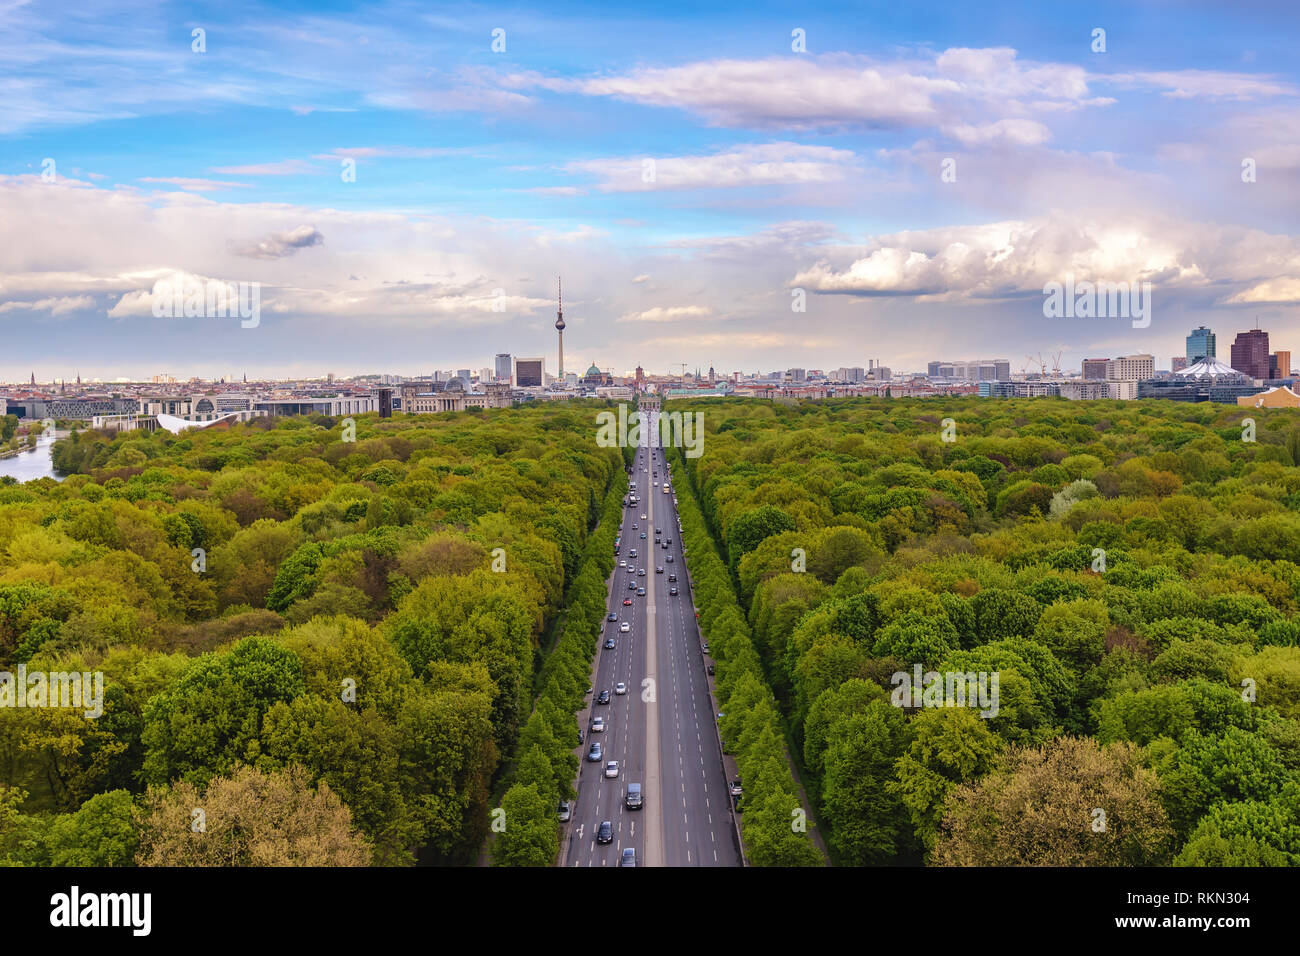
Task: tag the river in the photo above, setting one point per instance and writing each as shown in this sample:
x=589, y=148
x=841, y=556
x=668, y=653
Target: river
x=35, y=463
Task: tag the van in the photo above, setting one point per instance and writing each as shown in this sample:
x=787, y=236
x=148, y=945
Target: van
x=633, y=799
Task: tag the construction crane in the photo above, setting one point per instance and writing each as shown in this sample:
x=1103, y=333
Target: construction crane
x=1056, y=362
x=1029, y=360
x=1042, y=366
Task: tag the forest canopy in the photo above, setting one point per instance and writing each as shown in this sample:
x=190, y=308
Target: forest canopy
x=1129, y=570
x=330, y=638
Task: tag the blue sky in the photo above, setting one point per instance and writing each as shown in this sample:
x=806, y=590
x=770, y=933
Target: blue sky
x=481, y=174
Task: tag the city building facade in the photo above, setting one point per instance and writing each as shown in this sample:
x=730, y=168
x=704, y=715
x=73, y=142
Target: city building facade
x=1250, y=353
x=1200, y=345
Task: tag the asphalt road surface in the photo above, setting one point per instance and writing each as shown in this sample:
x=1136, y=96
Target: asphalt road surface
x=663, y=730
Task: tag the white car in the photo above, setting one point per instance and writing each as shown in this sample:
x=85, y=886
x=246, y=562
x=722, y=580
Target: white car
x=611, y=769
x=622, y=564
x=620, y=688
x=643, y=517
x=598, y=725
x=624, y=628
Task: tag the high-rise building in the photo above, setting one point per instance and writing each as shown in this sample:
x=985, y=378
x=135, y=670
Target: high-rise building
x=463, y=375
x=1279, y=364
x=1095, y=369
x=1250, y=353
x=1130, y=368
x=530, y=372
x=1200, y=344
x=503, y=366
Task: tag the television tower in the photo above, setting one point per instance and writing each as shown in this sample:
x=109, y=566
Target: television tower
x=559, y=323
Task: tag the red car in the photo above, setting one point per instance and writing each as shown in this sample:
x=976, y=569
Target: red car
x=627, y=602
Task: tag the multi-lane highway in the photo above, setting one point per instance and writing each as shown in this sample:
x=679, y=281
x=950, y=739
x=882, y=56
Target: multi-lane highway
x=662, y=730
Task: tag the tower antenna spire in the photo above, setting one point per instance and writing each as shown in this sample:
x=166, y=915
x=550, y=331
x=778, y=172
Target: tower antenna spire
x=559, y=322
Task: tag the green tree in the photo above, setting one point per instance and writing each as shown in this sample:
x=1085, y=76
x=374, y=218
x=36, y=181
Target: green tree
x=530, y=836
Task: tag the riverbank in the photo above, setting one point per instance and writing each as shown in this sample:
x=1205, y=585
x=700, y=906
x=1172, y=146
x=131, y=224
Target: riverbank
x=28, y=464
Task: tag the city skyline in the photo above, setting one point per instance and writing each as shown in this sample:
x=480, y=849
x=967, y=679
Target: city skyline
x=395, y=182
x=502, y=362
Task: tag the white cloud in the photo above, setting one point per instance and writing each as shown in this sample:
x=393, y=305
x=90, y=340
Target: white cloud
x=194, y=185
x=756, y=164
x=55, y=306
x=675, y=313
x=286, y=167
x=967, y=91
x=1016, y=132
x=393, y=152
x=1204, y=84
x=556, y=191
x=1284, y=289
x=279, y=244
x=1013, y=258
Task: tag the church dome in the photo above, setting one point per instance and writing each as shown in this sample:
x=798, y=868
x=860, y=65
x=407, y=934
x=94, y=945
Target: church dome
x=593, y=371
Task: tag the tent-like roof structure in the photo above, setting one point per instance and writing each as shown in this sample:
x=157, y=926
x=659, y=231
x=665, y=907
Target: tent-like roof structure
x=177, y=425
x=1210, y=369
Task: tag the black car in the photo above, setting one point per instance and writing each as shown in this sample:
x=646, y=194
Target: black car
x=609, y=643
x=672, y=591
x=603, y=698
x=671, y=578
x=606, y=832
